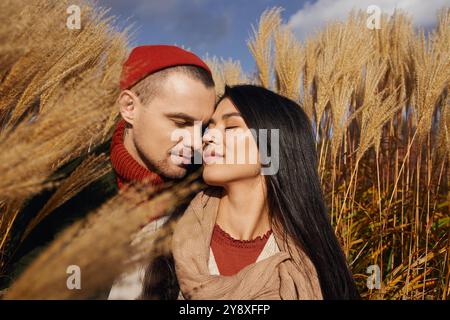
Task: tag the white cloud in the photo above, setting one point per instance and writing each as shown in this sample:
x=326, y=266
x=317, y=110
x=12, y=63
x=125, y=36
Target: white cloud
x=315, y=15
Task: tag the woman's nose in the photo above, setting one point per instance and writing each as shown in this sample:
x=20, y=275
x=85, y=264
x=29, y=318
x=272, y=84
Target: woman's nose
x=207, y=137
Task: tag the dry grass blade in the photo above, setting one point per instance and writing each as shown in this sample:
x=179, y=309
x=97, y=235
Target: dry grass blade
x=215, y=66
x=389, y=207
x=9, y=212
x=102, y=242
x=58, y=89
x=57, y=116
x=92, y=168
x=61, y=136
x=260, y=45
x=431, y=75
x=308, y=77
x=225, y=72
x=289, y=62
x=378, y=108
x=232, y=72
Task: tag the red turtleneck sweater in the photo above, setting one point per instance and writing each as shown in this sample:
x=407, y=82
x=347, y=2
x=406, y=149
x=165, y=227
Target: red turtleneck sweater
x=127, y=169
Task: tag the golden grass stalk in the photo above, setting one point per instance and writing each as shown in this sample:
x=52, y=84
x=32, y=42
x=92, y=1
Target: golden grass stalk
x=215, y=66
x=309, y=72
x=225, y=72
x=232, y=72
x=58, y=90
x=78, y=88
x=378, y=108
x=260, y=44
x=92, y=168
x=366, y=88
x=431, y=65
x=346, y=46
x=51, y=140
x=98, y=245
x=289, y=62
x=10, y=211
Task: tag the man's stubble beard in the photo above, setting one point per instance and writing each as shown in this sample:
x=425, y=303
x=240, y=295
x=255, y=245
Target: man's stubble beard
x=166, y=170
x=161, y=167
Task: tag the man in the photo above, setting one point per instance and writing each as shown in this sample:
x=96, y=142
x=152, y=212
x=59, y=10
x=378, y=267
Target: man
x=164, y=88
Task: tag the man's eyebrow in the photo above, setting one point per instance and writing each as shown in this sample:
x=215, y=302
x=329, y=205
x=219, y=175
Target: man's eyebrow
x=180, y=115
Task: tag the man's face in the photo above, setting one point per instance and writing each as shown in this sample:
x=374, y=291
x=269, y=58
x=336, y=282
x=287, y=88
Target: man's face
x=179, y=103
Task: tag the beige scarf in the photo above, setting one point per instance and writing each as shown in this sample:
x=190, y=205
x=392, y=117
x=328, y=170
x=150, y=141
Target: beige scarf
x=276, y=277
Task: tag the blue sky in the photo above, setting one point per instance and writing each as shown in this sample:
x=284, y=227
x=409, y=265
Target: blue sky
x=221, y=28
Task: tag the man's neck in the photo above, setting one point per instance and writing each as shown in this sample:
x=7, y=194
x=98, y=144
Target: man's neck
x=131, y=147
x=243, y=211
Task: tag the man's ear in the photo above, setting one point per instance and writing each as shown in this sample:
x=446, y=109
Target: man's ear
x=128, y=103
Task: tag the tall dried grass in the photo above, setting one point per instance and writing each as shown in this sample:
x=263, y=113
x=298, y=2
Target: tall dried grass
x=378, y=101
x=225, y=72
x=260, y=44
x=100, y=245
x=58, y=89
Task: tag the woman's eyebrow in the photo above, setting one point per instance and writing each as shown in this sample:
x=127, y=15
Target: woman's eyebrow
x=226, y=116
x=231, y=114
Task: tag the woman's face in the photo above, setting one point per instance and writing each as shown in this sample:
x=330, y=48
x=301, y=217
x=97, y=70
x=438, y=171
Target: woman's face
x=230, y=152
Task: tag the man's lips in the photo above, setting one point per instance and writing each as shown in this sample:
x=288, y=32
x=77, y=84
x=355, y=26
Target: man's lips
x=180, y=159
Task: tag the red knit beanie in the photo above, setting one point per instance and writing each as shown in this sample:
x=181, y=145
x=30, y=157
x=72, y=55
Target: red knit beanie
x=145, y=60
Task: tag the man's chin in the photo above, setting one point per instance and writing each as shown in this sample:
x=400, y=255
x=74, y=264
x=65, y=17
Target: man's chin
x=175, y=172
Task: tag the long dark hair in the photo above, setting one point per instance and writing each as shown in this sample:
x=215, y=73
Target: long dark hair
x=294, y=194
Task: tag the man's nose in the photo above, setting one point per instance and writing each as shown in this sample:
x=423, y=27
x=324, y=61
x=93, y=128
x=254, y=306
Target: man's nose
x=188, y=145
x=207, y=137
x=195, y=137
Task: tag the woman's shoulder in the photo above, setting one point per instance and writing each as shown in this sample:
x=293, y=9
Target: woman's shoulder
x=206, y=195
x=203, y=203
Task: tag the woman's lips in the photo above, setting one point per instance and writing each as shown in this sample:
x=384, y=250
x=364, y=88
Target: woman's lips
x=210, y=157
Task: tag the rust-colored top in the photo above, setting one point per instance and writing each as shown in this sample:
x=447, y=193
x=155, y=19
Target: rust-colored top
x=233, y=255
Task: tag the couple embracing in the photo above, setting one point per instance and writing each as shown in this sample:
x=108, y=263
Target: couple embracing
x=258, y=231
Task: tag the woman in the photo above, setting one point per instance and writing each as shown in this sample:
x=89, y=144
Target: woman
x=254, y=236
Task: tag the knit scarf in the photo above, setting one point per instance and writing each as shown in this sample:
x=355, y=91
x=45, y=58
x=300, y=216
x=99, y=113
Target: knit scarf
x=279, y=276
x=127, y=169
